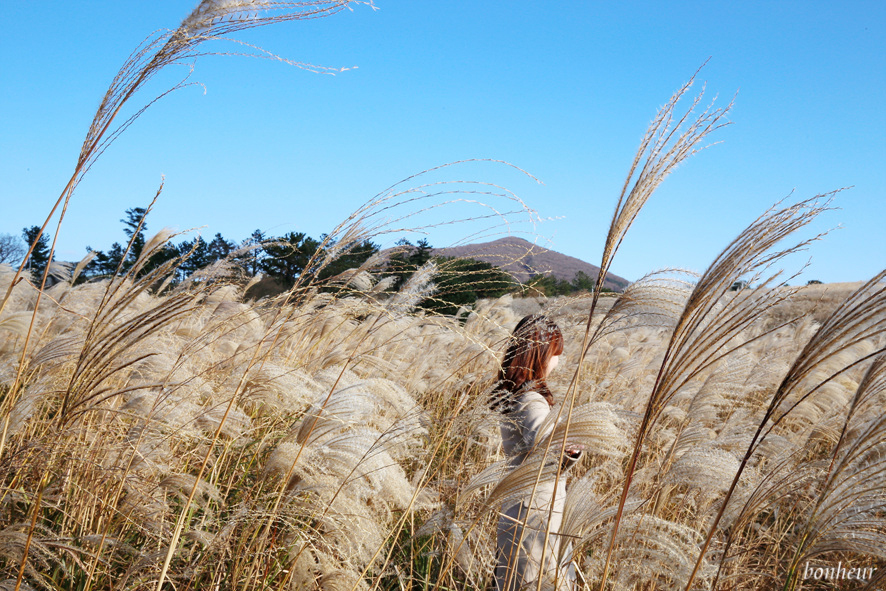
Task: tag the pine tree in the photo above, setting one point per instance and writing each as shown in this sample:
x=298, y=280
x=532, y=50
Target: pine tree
x=463, y=281
x=288, y=256
x=251, y=259
x=196, y=253
x=134, y=225
x=582, y=282
x=220, y=248
x=403, y=264
x=39, y=258
x=114, y=258
x=352, y=257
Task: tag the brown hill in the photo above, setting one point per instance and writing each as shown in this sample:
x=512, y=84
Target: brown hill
x=523, y=259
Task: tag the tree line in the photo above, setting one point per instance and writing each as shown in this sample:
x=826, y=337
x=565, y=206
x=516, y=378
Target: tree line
x=281, y=259
x=549, y=285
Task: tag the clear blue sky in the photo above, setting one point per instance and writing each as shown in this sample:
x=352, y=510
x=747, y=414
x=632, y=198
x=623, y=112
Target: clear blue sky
x=563, y=90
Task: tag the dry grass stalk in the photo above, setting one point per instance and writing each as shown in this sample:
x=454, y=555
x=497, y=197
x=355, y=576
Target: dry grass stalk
x=704, y=332
x=668, y=141
x=157, y=433
x=131, y=460
x=861, y=319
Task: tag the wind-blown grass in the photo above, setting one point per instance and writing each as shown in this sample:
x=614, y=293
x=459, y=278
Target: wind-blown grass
x=338, y=427
x=176, y=435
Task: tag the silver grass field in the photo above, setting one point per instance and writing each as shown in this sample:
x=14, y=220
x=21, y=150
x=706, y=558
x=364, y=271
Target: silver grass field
x=163, y=434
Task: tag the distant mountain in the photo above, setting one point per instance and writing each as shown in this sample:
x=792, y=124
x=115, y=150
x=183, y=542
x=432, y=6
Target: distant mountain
x=523, y=259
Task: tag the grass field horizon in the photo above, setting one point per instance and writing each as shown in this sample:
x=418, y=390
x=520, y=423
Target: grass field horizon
x=168, y=432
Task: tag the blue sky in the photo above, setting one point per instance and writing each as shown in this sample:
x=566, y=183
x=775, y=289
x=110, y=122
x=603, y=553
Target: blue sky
x=562, y=90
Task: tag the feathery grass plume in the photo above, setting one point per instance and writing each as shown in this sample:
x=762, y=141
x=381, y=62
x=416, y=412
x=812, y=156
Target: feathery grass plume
x=15, y=542
x=345, y=457
x=16, y=323
x=19, y=291
x=688, y=430
x=402, y=208
x=96, y=367
x=60, y=271
x=596, y=425
x=276, y=390
x=724, y=388
x=704, y=467
x=54, y=295
x=210, y=20
x=760, y=515
x=417, y=288
x=655, y=300
x=516, y=483
x=180, y=484
x=847, y=515
x=656, y=553
x=669, y=140
x=78, y=269
x=118, y=302
x=113, y=345
x=861, y=318
x=356, y=279
x=705, y=329
x=472, y=556
x=585, y=508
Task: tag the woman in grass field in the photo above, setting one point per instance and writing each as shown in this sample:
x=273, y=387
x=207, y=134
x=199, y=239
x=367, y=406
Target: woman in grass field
x=525, y=401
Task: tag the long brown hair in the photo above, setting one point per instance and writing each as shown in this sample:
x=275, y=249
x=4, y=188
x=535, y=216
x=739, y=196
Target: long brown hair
x=534, y=341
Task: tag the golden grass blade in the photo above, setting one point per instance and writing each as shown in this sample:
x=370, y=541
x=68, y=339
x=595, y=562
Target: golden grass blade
x=861, y=318
x=844, y=516
x=704, y=330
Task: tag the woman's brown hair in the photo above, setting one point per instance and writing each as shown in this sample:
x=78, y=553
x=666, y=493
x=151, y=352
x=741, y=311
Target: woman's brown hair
x=534, y=341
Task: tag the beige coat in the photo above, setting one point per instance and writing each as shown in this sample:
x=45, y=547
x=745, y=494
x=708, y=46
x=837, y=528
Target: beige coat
x=522, y=525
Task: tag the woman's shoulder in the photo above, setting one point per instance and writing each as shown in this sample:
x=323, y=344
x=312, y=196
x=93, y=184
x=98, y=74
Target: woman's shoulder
x=530, y=400
x=530, y=392
x=527, y=398
x=531, y=396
